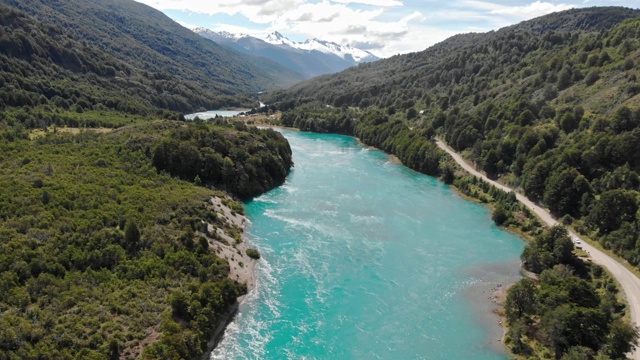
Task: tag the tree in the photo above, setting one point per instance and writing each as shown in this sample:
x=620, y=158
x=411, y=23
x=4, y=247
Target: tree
x=568, y=326
x=564, y=78
x=114, y=350
x=500, y=214
x=525, y=118
x=521, y=300
x=490, y=163
x=569, y=122
x=564, y=190
x=629, y=64
x=612, y=209
x=592, y=77
x=131, y=236
x=622, y=338
x=411, y=113
x=46, y=198
x=514, y=338
x=578, y=353
x=448, y=173
x=534, y=177
x=551, y=248
x=563, y=250
x=625, y=120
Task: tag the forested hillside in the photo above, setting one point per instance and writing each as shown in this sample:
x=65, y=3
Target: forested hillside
x=465, y=65
x=105, y=255
x=110, y=210
x=551, y=107
x=89, y=52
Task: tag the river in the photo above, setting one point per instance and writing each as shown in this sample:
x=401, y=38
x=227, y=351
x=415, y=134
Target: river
x=363, y=258
x=208, y=115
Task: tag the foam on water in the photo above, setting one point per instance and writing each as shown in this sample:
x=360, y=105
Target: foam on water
x=363, y=259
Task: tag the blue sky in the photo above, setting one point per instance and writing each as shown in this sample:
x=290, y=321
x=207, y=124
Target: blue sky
x=384, y=27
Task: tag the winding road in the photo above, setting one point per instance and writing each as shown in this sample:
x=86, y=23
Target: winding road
x=629, y=282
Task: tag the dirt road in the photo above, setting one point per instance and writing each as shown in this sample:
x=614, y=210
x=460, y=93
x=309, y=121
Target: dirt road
x=628, y=281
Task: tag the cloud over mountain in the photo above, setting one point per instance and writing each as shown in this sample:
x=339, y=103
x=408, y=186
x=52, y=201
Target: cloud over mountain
x=395, y=26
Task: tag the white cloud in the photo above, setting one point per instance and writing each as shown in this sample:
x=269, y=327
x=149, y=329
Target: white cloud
x=384, y=3
x=239, y=30
x=187, y=25
x=532, y=10
x=417, y=40
x=386, y=27
x=259, y=11
x=516, y=12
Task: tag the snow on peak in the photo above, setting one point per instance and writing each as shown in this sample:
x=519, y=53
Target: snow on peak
x=342, y=51
x=278, y=39
x=218, y=35
x=231, y=36
x=197, y=29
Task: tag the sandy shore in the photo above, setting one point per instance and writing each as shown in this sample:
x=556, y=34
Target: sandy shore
x=487, y=296
x=242, y=267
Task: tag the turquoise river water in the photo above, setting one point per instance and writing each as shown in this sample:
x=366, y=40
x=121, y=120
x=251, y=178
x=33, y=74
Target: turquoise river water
x=363, y=258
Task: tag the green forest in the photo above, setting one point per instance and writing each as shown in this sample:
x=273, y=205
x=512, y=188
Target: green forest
x=96, y=55
x=101, y=255
x=550, y=107
x=571, y=312
x=104, y=251
x=107, y=192
x=108, y=196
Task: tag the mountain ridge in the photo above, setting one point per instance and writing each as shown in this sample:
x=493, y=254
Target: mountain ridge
x=380, y=77
x=311, y=58
x=151, y=42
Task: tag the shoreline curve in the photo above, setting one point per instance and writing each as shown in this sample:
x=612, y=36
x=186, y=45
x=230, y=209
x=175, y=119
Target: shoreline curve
x=628, y=281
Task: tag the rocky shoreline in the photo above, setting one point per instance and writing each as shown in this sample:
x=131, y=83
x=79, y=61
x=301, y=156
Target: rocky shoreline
x=241, y=266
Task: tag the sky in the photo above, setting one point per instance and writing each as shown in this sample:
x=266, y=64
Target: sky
x=383, y=27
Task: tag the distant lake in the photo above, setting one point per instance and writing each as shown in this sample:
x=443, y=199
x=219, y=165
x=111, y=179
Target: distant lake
x=363, y=258
x=206, y=115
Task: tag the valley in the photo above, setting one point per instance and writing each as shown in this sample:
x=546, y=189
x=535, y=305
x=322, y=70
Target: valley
x=122, y=220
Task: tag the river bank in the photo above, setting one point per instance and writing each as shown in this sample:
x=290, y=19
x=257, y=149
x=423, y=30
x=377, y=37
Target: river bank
x=628, y=281
x=487, y=296
x=351, y=269
x=241, y=266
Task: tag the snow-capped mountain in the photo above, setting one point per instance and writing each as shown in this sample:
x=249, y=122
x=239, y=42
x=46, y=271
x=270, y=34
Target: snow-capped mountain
x=310, y=58
x=217, y=36
x=276, y=38
x=344, y=51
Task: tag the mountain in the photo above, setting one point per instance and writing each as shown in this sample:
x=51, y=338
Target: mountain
x=459, y=62
x=310, y=58
x=276, y=38
x=346, y=52
x=146, y=49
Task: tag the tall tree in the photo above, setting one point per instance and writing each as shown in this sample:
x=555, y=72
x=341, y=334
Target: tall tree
x=612, y=209
x=521, y=300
